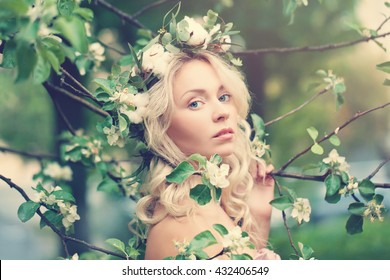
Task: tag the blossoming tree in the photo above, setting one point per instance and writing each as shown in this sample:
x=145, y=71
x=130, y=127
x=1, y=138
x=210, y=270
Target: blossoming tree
x=39, y=36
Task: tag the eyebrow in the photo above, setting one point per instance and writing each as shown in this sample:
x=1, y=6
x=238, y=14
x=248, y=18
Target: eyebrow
x=200, y=91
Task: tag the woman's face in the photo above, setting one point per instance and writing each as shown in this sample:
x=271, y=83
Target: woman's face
x=204, y=116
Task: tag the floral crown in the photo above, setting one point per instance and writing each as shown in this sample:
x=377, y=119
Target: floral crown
x=125, y=94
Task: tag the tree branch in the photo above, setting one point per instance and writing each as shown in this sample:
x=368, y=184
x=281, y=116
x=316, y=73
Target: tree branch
x=298, y=108
x=318, y=178
x=356, y=116
x=78, y=99
x=285, y=221
x=378, y=168
x=121, y=14
x=85, y=90
x=310, y=48
x=150, y=6
x=62, y=114
x=64, y=238
x=30, y=155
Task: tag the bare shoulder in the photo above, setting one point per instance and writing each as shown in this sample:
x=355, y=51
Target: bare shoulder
x=161, y=237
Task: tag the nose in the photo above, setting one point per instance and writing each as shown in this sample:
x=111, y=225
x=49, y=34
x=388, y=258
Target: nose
x=221, y=112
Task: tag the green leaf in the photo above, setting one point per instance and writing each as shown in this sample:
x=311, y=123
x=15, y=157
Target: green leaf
x=122, y=123
x=180, y=173
x=41, y=71
x=198, y=158
x=109, y=186
x=66, y=7
x=117, y=244
x=107, y=85
x=333, y=198
x=385, y=67
x=306, y=251
x=258, y=126
x=386, y=82
x=220, y=229
x=282, y=202
x=313, y=132
x=64, y=195
x=201, y=194
x=9, y=55
x=367, y=189
x=354, y=224
x=72, y=28
x=85, y=13
x=202, y=240
x=26, y=59
x=182, y=31
x=53, y=217
x=317, y=149
x=378, y=198
x=241, y=257
x=27, y=210
x=335, y=140
x=333, y=184
x=217, y=159
x=356, y=208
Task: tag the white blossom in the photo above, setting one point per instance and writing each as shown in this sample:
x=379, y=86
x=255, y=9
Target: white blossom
x=258, y=147
x=156, y=60
x=374, y=211
x=198, y=35
x=336, y=161
x=302, y=2
x=57, y=172
x=46, y=198
x=225, y=42
x=69, y=213
x=301, y=210
x=132, y=105
x=217, y=175
x=114, y=136
x=233, y=240
x=97, y=51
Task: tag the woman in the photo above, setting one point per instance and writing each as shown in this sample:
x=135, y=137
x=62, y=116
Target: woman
x=200, y=106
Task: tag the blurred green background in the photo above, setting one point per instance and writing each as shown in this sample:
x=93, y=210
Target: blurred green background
x=279, y=83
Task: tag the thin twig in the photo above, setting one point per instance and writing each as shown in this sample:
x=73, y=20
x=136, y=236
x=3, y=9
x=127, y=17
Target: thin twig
x=378, y=168
x=30, y=155
x=111, y=48
x=126, y=17
x=382, y=24
x=318, y=178
x=298, y=108
x=78, y=99
x=64, y=238
x=62, y=114
x=356, y=116
x=310, y=48
x=80, y=85
x=150, y=6
x=285, y=222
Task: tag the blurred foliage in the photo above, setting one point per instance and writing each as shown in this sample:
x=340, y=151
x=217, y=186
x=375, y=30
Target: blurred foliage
x=373, y=244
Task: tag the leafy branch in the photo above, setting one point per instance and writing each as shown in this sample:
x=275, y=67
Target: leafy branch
x=64, y=238
x=355, y=117
x=311, y=48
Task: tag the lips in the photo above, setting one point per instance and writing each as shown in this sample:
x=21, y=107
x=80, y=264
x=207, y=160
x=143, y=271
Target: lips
x=223, y=132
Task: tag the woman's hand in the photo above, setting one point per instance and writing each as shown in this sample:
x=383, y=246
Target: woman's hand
x=261, y=195
x=260, y=172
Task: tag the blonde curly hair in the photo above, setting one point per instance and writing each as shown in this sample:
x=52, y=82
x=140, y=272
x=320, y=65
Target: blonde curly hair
x=172, y=199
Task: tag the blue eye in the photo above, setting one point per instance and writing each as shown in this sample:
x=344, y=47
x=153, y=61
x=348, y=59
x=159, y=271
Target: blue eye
x=194, y=105
x=224, y=97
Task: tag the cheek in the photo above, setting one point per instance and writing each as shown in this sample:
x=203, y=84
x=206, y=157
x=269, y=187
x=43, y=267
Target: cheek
x=182, y=129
